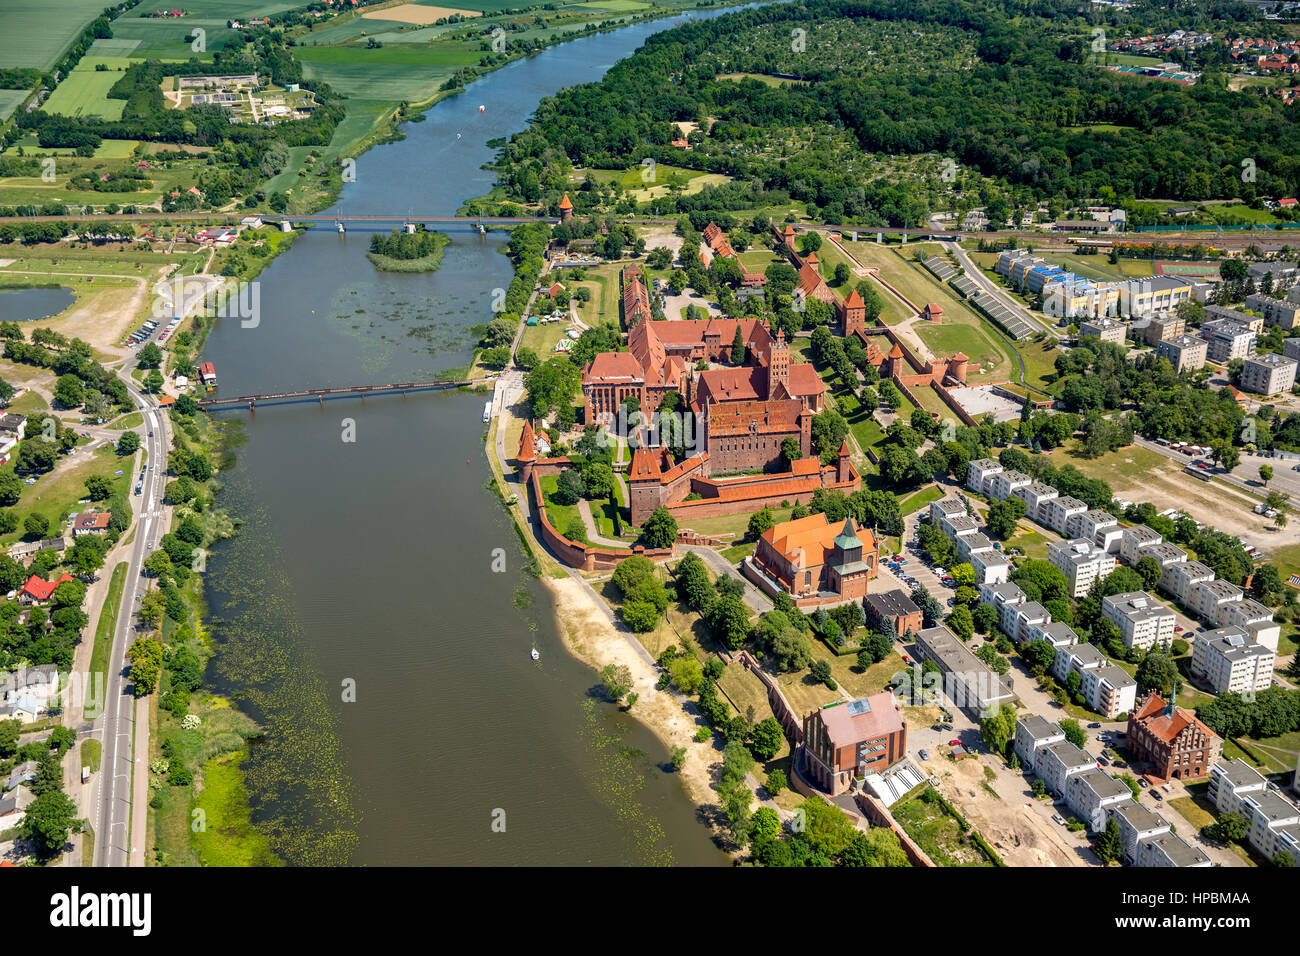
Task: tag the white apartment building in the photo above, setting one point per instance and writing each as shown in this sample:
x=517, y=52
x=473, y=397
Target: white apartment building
x=946, y=508
x=1001, y=594
x=1142, y=620
x=1081, y=562
x=969, y=545
x=1058, y=512
x=1092, y=795
x=1133, y=540
x=1003, y=485
x=1035, y=495
x=1109, y=690
x=1227, y=660
x=1169, y=849
x=1032, y=734
x=1181, y=578
x=1210, y=598
x=990, y=567
x=1018, y=620
x=1091, y=523
x=1268, y=373
x=1058, y=762
x=980, y=472
x=1136, y=824
x=1273, y=824
x=1164, y=552
x=1078, y=659
x=1057, y=633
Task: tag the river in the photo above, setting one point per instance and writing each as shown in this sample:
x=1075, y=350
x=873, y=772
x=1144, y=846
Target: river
x=370, y=560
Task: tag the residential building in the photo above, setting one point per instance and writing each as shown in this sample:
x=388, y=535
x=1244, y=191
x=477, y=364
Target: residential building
x=1268, y=374
x=1092, y=795
x=1227, y=340
x=1137, y=824
x=845, y=741
x=1169, y=849
x=1172, y=740
x=1227, y=660
x=968, y=682
x=1142, y=620
x=990, y=567
x=1078, y=659
x=1109, y=690
x=1272, y=825
x=1160, y=328
x=970, y=545
x=809, y=556
x=1058, y=762
x=980, y=472
x=1092, y=524
x=1000, y=594
x=1035, y=495
x=1255, y=621
x=1181, y=578
x=959, y=525
x=1291, y=347
x=90, y=523
x=945, y=509
x=1081, y=562
x=1184, y=352
x=1283, y=313
x=13, y=806
x=1215, y=313
x=1056, y=633
x=1134, y=539
x=1057, y=513
x=1106, y=329
x=1209, y=600
x=1018, y=620
x=1003, y=485
x=1164, y=552
x=37, y=590
x=1231, y=781
x=894, y=606
x=1032, y=734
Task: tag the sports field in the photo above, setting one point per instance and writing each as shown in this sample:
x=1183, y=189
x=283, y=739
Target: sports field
x=85, y=93
x=36, y=35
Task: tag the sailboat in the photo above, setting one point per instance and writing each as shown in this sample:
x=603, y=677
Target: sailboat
x=534, y=654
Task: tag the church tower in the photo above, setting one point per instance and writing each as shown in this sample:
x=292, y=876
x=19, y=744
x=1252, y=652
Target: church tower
x=778, y=368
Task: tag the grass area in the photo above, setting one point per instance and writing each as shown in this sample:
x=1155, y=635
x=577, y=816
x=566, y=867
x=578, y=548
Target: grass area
x=1199, y=812
x=938, y=833
x=1275, y=754
x=739, y=552
x=735, y=524
x=229, y=838
x=103, y=649
x=91, y=751
x=132, y=420
x=919, y=500
x=560, y=515
x=57, y=497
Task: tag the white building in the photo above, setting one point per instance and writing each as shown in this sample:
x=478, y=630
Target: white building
x=1169, y=849
x=1268, y=373
x=1078, y=659
x=1164, y=552
x=1056, y=633
x=1035, y=495
x=1109, y=690
x=1182, y=577
x=1227, y=660
x=1018, y=620
x=1032, y=734
x=1210, y=598
x=1142, y=620
x=1254, y=619
x=980, y=472
x=1057, y=513
x=1003, y=485
x=1136, y=823
x=1092, y=795
x=990, y=567
x=1081, y=562
x=1091, y=525
x=1058, y=762
x=1133, y=540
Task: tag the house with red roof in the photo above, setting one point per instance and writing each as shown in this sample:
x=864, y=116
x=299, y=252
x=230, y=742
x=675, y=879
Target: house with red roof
x=90, y=522
x=37, y=590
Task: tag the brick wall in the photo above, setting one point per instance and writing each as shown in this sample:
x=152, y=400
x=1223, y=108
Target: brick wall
x=573, y=553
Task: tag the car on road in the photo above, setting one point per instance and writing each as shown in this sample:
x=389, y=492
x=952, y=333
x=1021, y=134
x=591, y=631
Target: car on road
x=148, y=546
x=1156, y=794
x=925, y=754
x=1057, y=818
x=954, y=743
x=1094, y=727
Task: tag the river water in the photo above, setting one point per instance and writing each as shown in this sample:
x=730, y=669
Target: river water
x=366, y=558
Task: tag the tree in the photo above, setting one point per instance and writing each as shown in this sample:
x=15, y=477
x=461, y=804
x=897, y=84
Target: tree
x=128, y=444
x=759, y=522
x=998, y=729
x=660, y=529
x=69, y=392
x=1038, y=655
x=149, y=356
x=829, y=430
x=1109, y=846
x=631, y=572
x=693, y=582
x=569, y=487
x=738, y=347
x=766, y=739
x=686, y=674
x=153, y=382
x=617, y=680
x=728, y=618
x=1049, y=580
x=791, y=650
x=48, y=821
x=1074, y=733
x=99, y=487
x=961, y=623
x=1266, y=474
x=1150, y=570
x=1157, y=672
x=36, y=526
x=1003, y=517
x=640, y=616
x=1229, y=828
x=820, y=671
x=599, y=481
x=145, y=656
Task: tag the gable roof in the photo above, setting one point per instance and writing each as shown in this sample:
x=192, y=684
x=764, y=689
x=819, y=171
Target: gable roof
x=41, y=589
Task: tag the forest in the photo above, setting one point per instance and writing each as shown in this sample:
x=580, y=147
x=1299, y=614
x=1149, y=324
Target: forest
x=1025, y=109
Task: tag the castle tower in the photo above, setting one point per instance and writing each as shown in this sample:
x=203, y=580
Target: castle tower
x=854, y=314
x=527, y=455
x=957, y=367
x=894, y=364
x=843, y=468
x=566, y=209
x=778, y=366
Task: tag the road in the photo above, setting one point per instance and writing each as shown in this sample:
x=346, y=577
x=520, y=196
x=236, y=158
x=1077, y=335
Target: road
x=116, y=844
x=986, y=285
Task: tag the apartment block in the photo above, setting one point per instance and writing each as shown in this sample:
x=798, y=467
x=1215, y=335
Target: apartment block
x=1106, y=329
x=1166, y=553
x=1002, y=594
x=1081, y=562
x=980, y=472
x=1032, y=734
x=1231, y=782
x=946, y=508
x=1227, y=660
x=1283, y=313
x=1181, y=578
x=1254, y=619
x=1184, y=352
x=1077, y=659
x=969, y=545
x=1142, y=620
x=1209, y=600
x=1035, y=495
x=1058, y=762
x=1137, y=824
x=1092, y=795
x=1058, y=513
x=990, y=567
x=1169, y=849
x=967, y=681
x=1268, y=374
x=1056, y=633
x=1018, y=620
x=1226, y=340
x=1134, y=539
x=1162, y=327
x=1273, y=825
x=1003, y=485
x=1109, y=690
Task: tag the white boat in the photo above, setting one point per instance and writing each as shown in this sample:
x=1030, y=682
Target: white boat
x=534, y=655
x=487, y=412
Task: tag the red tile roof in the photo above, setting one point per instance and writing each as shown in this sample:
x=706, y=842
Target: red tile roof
x=527, y=443
x=612, y=367
x=564, y=203
x=41, y=589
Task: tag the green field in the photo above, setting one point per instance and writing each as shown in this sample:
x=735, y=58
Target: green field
x=10, y=100
x=389, y=74
x=620, y=6
x=85, y=93
x=103, y=648
x=35, y=35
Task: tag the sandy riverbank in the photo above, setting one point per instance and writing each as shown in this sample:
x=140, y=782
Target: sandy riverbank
x=589, y=636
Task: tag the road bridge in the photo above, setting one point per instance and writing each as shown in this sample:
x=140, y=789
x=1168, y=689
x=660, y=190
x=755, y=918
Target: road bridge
x=321, y=395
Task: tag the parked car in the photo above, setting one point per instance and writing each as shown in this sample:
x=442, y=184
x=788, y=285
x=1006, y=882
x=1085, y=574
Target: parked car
x=1156, y=794
x=954, y=743
x=1094, y=726
x=1057, y=818
x=1143, y=783
x=925, y=754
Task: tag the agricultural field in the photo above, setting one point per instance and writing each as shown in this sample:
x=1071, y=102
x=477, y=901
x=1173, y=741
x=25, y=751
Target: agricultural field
x=689, y=181
x=85, y=92
x=34, y=36
x=10, y=100
x=387, y=74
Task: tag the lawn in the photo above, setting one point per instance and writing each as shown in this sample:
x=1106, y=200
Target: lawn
x=91, y=750
x=735, y=524
x=920, y=499
x=387, y=74
x=36, y=36
x=57, y=497
x=103, y=648
x=559, y=514
x=1198, y=811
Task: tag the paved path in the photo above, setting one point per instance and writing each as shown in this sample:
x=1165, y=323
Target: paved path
x=593, y=533
x=754, y=598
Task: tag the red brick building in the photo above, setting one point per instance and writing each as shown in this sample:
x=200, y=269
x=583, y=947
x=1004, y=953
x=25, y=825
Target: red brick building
x=896, y=607
x=809, y=556
x=1172, y=740
x=845, y=741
